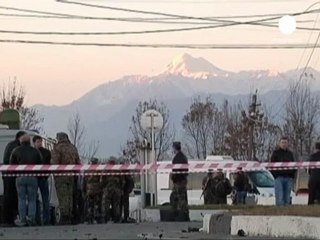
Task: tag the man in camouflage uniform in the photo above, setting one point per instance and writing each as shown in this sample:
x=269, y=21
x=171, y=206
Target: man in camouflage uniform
x=65, y=153
x=179, y=195
x=111, y=198
x=94, y=196
x=208, y=188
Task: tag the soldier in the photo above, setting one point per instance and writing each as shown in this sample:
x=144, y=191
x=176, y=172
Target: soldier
x=65, y=153
x=241, y=186
x=222, y=188
x=127, y=189
x=112, y=192
x=94, y=196
x=179, y=196
x=208, y=188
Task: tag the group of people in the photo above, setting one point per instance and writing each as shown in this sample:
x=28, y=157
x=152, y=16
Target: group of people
x=216, y=187
x=21, y=193
x=100, y=200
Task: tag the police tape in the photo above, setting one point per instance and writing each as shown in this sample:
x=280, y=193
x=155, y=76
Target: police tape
x=129, y=169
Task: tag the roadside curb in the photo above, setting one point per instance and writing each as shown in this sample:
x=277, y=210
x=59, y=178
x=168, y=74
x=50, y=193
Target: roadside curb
x=277, y=226
x=259, y=226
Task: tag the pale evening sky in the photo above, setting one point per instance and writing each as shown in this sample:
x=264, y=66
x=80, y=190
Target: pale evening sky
x=58, y=75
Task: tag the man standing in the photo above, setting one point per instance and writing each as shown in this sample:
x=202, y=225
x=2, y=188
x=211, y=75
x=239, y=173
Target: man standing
x=111, y=198
x=26, y=186
x=241, y=186
x=127, y=189
x=179, y=195
x=222, y=188
x=207, y=188
x=43, y=181
x=10, y=201
x=314, y=179
x=283, y=178
x=65, y=153
x=93, y=197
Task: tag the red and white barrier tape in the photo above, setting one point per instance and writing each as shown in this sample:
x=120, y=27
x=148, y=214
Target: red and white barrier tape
x=126, y=169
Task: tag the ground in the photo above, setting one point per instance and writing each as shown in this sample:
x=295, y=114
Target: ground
x=113, y=231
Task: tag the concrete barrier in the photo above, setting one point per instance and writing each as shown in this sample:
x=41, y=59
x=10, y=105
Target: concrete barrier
x=277, y=226
x=153, y=215
x=218, y=223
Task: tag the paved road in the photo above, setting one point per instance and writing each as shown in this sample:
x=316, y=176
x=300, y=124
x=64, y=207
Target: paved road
x=169, y=231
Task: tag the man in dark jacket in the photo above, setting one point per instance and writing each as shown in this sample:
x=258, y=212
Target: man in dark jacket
x=27, y=187
x=283, y=178
x=314, y=179
x=241, y=186
x=179, y=195
x=127, y=189
x=10, y=201
x=43, y=183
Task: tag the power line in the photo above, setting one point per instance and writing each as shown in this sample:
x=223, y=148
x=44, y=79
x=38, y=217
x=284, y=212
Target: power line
x=114, y=33
x=177, y=15
x=186, y=46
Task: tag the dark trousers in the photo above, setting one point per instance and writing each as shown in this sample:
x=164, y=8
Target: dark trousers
x=10, y=203
x=124, y=206
x=43, y=185
x=314, y=192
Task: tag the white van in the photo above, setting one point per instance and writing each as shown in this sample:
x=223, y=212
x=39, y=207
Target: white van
x=262, y=183
x=8, y=135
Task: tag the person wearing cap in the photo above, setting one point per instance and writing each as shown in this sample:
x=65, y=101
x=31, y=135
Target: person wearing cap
x=111, y=197
x=241, y=186
x=27, y=186
x=208, y=188
x=93, y=197
x=64, y=153
x=10, y=198
x=179, y=195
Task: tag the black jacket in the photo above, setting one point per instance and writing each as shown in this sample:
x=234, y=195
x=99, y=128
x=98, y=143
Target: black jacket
x=241, y=182
x=46, y=155
x=46, y=159
x=281, y=155
x=25, y=154
x=179, y=158
x=315, y=173
x=8, y=151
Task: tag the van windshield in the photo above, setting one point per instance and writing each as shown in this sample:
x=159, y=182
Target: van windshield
x=263, y=179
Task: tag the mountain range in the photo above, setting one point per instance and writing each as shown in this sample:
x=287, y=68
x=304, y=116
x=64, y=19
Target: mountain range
x=106, y=110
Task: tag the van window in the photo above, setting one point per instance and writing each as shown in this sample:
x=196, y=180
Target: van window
x=262, y=179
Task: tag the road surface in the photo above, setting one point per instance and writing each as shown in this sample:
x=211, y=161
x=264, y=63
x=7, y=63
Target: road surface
x=169, y=231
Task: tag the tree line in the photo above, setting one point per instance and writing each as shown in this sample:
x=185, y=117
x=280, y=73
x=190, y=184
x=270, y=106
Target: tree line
x=211, y=129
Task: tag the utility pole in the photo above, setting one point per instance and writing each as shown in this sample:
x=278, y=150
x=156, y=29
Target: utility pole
x=251, y=119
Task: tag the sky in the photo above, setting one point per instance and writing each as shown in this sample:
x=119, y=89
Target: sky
x=57, y=75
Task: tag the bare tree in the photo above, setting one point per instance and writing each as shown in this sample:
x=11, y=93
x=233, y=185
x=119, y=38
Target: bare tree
x=76, y=130
x=302, y=114
x=164, y=138
x=77, y=133
x=197, y=124
x=130, y=152
x=12, y=96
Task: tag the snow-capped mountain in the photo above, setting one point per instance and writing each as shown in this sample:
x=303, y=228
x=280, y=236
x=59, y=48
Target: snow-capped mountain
x=106, y=110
